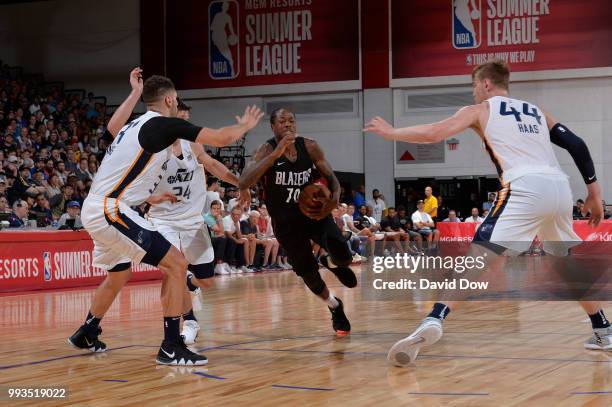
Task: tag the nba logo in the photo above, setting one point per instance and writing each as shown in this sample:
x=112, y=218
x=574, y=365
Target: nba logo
x=47, y=265
x=467, y=23
x=223, y=40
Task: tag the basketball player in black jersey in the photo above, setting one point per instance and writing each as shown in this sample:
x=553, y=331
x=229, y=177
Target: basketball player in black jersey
x=285, y=163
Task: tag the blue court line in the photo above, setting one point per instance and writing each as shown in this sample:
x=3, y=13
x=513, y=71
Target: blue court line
x=447, y=394
x=230, y=346
x=210, y=376
x=115, y=380
x=578, y=393
x=61, y=357
x=421, y=356
x=284, y=386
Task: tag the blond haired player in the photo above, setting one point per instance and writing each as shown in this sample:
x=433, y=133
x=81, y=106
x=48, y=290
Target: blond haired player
x=518, y=136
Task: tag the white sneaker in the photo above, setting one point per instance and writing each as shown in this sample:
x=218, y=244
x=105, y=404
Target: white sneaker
x=601, y=339
x=246, y=269
x=236, y=270
x=221, y=269
x=190, y=331
x=356, y=258
x=286, y=265
x=405, y=351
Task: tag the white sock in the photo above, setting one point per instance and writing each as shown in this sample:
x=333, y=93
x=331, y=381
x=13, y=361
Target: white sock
x=330, y=263
x=331, y=301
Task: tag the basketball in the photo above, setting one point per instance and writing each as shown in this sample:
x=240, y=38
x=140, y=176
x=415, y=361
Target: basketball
x=307, y=201
x=232, y=40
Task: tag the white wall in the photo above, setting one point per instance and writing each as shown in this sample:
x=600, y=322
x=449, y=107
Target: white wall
x=340, y=136
x=87, y=44
x=581, y=104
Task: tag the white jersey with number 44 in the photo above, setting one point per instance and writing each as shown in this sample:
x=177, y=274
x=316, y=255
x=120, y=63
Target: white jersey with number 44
x=517, y=139
x=185, y=179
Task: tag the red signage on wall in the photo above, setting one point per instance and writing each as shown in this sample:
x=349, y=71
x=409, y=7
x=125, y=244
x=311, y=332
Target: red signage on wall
x=59, y=259
x=233, y=43
x=450, y=37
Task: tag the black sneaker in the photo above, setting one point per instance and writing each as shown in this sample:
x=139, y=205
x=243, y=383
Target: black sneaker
x=340, y=322
x=177, y=354
x=84, y=340
x=345, y=275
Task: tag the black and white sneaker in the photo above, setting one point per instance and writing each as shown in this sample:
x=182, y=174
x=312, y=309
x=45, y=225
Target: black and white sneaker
x=82, y=339
x=177, y=354
x=340, y=322
x=345, y=275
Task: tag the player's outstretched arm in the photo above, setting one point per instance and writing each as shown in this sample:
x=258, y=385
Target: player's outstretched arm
x=213, y=166
x=124, y=111
x=465, y=118
x=326, y=170
x=229, y=134
x=563, y=137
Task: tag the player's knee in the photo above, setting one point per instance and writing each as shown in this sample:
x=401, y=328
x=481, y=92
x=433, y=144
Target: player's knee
x=202, y=271
x=312, y=279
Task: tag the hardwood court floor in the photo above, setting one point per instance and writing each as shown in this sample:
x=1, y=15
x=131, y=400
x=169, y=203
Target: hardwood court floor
x=269, y=342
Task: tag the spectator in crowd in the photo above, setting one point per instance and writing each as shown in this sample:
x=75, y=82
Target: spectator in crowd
x=424, y=224
x=4, y=205
x=235, y=241
x=430, y=203
x=271, y=260
x=377, y=204
x=475, y=216
x=443, y=210
x=19, y=216
x=578, y=210
x=359, y=199
x=82, y=172
x=452, y=217
x=407, y=226
x=607, y=212
x=214, y=220
x=23, y=185
x=212, y=194
x=42, y=210
x=236, y=169
x=72, y=218
x=393, y=230
x=58, y=202
x=71, y=163
x=250, y=230
x=349, y=229
x=3, y=184
x=485, y=213
x=487, y=205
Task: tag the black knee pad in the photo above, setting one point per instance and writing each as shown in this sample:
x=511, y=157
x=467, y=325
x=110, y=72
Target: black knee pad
x=202, y=271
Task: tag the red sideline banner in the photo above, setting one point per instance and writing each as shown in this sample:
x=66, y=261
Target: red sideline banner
x=464, y=232
x=450, y=37
x=38, y=260
x=230, y=43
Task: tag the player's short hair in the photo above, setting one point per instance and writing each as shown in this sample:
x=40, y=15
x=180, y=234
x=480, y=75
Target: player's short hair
x=276, y=112
x=182, y=106
x=496, y=71
x=156, y=87
x=215, y=203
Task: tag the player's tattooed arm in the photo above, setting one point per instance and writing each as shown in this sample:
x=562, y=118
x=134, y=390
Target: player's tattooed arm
x=124, y=111
x=326, y=170
x=465, y=118
x=262, y=161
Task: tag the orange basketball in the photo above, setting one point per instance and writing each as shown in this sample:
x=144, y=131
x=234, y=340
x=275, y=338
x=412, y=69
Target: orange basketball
x=307, y=200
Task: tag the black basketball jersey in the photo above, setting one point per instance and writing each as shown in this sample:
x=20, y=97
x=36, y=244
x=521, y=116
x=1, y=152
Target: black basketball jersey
x=284, y=181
